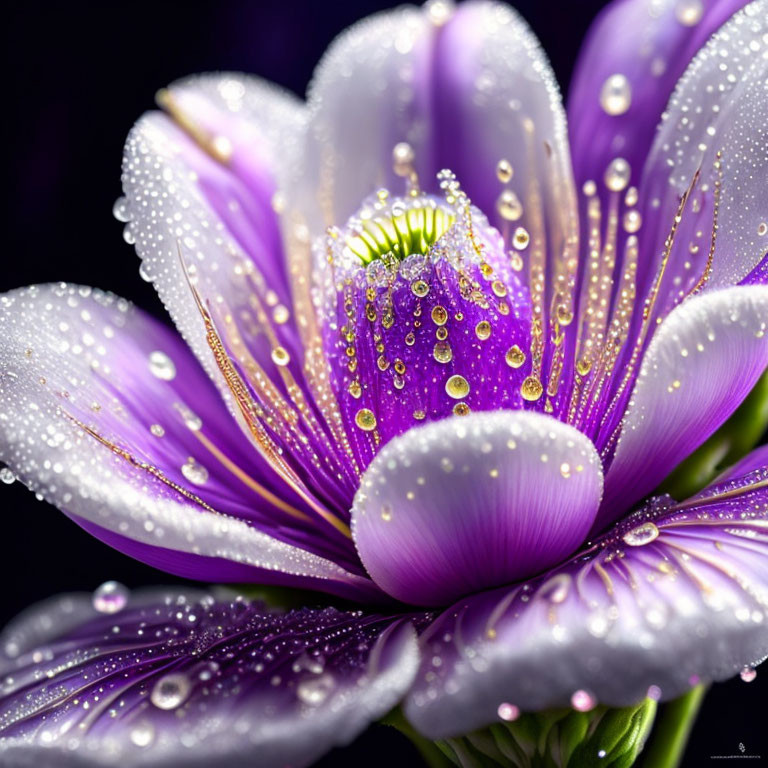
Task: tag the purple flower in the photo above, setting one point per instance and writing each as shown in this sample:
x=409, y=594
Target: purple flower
x=445, y=395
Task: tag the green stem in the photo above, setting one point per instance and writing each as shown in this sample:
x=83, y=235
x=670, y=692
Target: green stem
x=673, y=727
x=433, y=756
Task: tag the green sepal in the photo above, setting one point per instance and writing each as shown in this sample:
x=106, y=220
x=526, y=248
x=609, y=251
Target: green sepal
x=734, y=440
x=564, y=738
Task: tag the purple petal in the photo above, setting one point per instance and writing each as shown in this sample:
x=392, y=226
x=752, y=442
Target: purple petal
x=716, y=125
x=629, y=64
x=702, y=362
x=465, y=90
x=395, y=339
x=671, y=597
x=194, y=679
x=190, y=203
x=472, y=502
x=105, y=413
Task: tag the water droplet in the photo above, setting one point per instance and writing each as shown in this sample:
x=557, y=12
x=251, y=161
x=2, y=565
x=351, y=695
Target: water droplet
x=457, y=387
x=762, y=229
x=582, y=701
x=748, y=674
x=161, y=366
x=194, y=471
x=315, y=690
x=365, y=419
x=616, y=95
x=442, y=352
x=142, y=734
x=280, y=314
x=171, y=691
x=515, y=356
x=403, y=158
x=521, y=238
x=508, y=712
x=128, y=235
x=110, y=597
x=120, y=210
x=439, y=315
x=508, y=206
x=654, y=692
x=461, y=409
x=7, y=476
x=641, y=535
x=617, y=174
x=689, y=12
x=280, y=356
x=632, y=221
x=483, y=330
x=420, y=288
x=531, y=389
x=504, y=171
x=157, y=430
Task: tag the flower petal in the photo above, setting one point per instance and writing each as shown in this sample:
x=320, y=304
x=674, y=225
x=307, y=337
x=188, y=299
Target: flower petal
x=630, y=62
x=465, y=89
x=716, y=125
x=194, y=679
x=673, y=596
x=471, y=502
x=105, y=413
x=702, y=362
x=199, y=194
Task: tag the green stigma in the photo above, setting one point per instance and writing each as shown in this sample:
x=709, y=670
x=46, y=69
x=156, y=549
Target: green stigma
x=415, y=230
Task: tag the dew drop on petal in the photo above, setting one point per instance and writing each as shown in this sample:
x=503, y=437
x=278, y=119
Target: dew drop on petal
x=7, y=476
x=689, y=12
x=171, y=691
x=616, y=95
x=315, y=690
x=508, y=712
x=161, y=366
x=617, y=174
x=194, y=471
x=142, y=734
x=110, y=597
x=748, y=674
x=654, y=692
x=582, y=701
x=120, y=210
x=641, y=535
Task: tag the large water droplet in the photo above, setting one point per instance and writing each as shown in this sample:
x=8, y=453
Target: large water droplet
x=142, y=734
x=315, y=690
x=508, y=712
x=642, y=534
x=194, y=471
x=582, y=701
x=617, y=174
x=170, y=691
x=161, y=366
x=748, y=674
x=110, y=597
x=616, y=95
x=120, y=210
x=7, y=476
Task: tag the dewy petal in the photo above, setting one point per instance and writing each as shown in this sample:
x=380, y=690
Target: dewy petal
x=716, y=124
x=702, y=362
x=193, y=679
x=464, y=90
x=629, y=64
x=673, y=596
x=105, y=413
x=468, y=503
x=199, y=198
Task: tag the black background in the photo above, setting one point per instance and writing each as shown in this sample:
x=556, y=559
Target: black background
x=79, y=74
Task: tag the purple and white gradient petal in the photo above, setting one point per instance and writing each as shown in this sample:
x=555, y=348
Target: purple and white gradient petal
x=192, y=678
x=423, y=369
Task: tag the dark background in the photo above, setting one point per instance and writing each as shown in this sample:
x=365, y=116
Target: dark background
x=79, y=74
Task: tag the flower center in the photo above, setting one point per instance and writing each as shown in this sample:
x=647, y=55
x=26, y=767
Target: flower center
x=398, y=229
